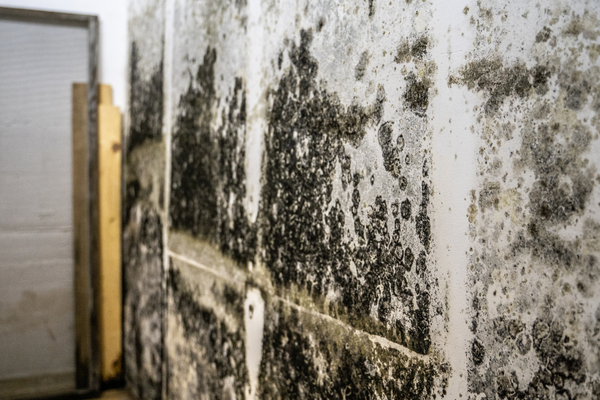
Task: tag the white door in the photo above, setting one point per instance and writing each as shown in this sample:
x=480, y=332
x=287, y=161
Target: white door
x=38, y=64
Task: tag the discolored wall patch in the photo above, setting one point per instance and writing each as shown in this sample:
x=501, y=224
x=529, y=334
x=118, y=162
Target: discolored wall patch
x=143, y=206
x=369, y=200
x=361, y=272
x=208, y=176
x=205, y=338
x=308, y=356
x=534, y=278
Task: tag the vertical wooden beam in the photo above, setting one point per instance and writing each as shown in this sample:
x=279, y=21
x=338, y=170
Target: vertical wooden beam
x=93, y=381
x=81, y=234
x=109, y=137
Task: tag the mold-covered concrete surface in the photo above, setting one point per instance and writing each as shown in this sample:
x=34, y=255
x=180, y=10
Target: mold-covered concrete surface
x=144, y=205
x=362, y=199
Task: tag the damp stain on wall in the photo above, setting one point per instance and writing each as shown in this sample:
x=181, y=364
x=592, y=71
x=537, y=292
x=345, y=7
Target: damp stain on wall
x=342, y=252
x=206, y=348
x=533, y=269
x=143, y=247
x=364, y=275
x=208, y=175
x=307, y=356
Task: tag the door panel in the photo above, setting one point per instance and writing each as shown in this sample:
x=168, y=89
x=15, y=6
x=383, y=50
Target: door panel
x=39, y=63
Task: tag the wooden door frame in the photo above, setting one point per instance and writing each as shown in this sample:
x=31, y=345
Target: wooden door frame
x=87, y=357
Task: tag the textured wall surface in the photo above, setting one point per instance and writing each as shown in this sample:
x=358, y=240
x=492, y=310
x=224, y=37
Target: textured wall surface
x=363, y=199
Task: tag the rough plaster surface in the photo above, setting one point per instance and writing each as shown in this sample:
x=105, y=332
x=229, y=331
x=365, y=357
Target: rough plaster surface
x=362, y=199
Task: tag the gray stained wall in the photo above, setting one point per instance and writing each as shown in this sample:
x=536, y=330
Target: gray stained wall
x=362, y=199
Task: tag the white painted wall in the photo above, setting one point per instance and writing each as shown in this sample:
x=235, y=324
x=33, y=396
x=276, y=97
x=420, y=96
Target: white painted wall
x=113, y=36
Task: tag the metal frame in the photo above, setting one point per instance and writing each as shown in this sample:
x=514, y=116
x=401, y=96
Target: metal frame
x=87, y=356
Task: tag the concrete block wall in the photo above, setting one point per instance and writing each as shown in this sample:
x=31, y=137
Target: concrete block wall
x=363, y=199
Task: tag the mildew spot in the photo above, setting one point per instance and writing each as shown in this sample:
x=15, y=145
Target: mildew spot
x=531, y=275
x=371, y=8
x=499, y=82
x=145, y=103
x=202, y=340
x=543, y=35
x=307, y=357
x=208, y=175
x=361, y=67
x=415, y=49
x=307, y=247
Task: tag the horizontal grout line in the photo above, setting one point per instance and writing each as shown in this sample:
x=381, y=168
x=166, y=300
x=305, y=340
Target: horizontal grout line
x=199, y=265
x=374, y=338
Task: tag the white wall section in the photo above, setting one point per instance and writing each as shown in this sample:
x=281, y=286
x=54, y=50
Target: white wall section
x=112, y=15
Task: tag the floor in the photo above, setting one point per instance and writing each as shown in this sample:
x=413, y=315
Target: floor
x=115, y=395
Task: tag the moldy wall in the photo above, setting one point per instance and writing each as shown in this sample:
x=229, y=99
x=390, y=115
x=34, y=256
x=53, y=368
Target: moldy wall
x=362, y=199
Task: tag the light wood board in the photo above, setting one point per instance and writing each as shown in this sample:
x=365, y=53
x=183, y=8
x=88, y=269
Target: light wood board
x=109, y=137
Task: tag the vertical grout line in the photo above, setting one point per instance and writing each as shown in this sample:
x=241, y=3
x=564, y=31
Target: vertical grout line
x=255, y=107
x=255, y=128
x=453, y=174
x=167, y=131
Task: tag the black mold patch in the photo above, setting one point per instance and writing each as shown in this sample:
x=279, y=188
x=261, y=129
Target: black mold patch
x=551, y=202
x=145, y=103
x=218, y=354
x=306, y=357
x=423, y=225
x=477, y=352
x=405, y=208
x=543, y=35
x=208, y=167
x=402, y=53
x=416, y=95
x=561, y=364
x=499, y=82
x=306, y=246
x=407, y=51
x=419, y=47
x=320, y=25
x=392, y=160
x=144, y=304
x=361, y=67
x=489, y=196
x=578, y=87
x=193, y=205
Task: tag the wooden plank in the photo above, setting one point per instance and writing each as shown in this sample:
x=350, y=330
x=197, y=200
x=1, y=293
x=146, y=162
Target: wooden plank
x=81, y=233
x=109, y=135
